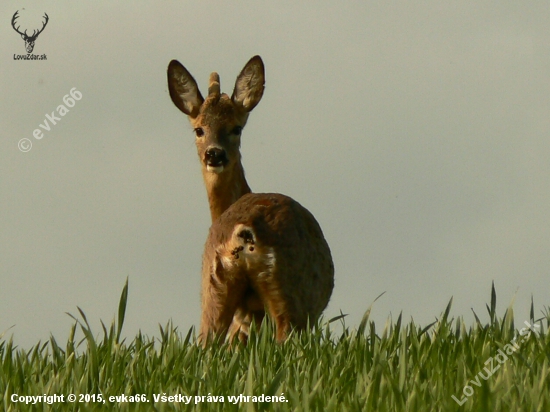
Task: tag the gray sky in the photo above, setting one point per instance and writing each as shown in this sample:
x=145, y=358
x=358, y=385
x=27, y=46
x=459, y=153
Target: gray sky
x=417, y=134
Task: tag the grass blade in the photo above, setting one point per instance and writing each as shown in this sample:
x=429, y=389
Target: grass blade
x=122, y=310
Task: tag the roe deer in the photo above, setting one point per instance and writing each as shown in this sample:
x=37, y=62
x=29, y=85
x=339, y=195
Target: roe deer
x=264, y=251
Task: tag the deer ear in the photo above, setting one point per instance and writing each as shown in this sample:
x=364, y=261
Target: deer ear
x=249, y=87
x=183, y=89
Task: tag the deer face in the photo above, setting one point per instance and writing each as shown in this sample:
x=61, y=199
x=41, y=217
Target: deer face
x=218, y=120
x=218, y=133
x=29, y=40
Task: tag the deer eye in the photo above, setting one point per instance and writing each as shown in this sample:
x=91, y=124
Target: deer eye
x=199, y=132
x=237, y=130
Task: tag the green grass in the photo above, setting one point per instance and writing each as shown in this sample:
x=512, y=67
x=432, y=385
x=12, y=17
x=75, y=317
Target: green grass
x=403, y=367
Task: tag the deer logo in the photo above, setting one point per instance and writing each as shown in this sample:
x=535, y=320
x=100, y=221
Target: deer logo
x=29, y=40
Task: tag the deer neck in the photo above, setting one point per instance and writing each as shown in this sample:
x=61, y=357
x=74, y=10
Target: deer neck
x=225, y=188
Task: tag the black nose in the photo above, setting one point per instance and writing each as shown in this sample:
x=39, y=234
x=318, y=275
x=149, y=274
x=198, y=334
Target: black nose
x=215, y=157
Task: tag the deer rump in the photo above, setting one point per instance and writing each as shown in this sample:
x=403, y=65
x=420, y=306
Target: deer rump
x=264, y=253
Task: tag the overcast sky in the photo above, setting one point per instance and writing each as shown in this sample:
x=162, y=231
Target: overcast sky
x=417, y=133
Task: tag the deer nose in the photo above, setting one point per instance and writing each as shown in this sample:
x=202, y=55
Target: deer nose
x=215, y=157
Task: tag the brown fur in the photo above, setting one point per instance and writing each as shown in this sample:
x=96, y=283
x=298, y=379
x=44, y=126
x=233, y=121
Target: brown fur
x=264, y=252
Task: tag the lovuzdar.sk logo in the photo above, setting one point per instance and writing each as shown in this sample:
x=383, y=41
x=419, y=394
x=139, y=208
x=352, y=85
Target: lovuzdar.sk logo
x=29, y=38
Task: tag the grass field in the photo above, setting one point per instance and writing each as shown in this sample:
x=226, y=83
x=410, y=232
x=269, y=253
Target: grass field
x=498, y=366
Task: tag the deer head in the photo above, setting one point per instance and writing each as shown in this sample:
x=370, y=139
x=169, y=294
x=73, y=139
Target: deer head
x=218, y=122
x=29, y=40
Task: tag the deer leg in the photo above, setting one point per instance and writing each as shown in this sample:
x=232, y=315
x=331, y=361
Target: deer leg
x=252, y=310
x=223, y=292
x=274, y=299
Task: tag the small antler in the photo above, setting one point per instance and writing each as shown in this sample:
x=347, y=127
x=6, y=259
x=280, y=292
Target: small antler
x=214, y=85
x=15, y=16
x=35, y=35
